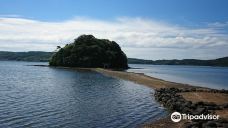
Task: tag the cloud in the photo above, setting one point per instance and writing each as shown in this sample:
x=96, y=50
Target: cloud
x=21, y=34
x=11, y=16
x=218, y=24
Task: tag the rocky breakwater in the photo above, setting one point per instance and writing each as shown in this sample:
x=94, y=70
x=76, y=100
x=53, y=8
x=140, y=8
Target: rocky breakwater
x=173, y=101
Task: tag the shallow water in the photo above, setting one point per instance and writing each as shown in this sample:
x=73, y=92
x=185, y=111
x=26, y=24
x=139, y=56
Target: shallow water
x=205, y=76
x=49, y=97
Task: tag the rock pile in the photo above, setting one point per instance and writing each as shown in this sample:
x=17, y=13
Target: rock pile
x=173, y=101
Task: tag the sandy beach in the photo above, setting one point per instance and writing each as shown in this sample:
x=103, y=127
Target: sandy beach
x=217, y=98
x=140, y=78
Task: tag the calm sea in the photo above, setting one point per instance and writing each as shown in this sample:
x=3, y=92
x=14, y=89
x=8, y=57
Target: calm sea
x=212, y=77
x=49, y=97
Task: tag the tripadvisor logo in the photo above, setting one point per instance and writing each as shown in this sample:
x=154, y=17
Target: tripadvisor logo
x=176, y=117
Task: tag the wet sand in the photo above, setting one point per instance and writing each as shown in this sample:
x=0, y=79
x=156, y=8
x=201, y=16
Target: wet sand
x=155, y=83
x=140, y=78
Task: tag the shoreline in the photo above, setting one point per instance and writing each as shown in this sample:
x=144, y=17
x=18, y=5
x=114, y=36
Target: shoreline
x=213, y=101
x=143, y=79
x=198, y=96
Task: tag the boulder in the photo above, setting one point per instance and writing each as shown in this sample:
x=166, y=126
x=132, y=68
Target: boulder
x=211, y=124
x=199, y=110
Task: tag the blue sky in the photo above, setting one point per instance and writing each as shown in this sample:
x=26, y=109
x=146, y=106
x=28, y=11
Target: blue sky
x=176, y=11
x=149, y=29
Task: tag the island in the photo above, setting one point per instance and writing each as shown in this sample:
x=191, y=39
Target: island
x=89, y=52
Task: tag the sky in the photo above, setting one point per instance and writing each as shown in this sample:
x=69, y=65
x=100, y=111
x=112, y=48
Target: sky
x=146, y=29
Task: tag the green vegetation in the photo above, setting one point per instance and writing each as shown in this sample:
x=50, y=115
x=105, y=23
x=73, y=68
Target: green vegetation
x=216, y=62
x=88, y=51
x=26, y=56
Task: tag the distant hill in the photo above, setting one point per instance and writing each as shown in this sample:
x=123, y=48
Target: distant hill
x=26, y=56
x=216, y=62
x=45, y=56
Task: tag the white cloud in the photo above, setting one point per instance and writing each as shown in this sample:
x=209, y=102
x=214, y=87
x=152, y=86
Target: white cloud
x=218, y=24
x=21, y=34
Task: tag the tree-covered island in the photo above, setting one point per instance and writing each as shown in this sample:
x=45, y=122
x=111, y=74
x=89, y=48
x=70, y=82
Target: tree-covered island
x=90, y=52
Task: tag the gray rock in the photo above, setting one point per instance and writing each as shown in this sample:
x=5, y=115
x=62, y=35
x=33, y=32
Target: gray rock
x=199, y=110
x=225, y=105
x=211, y=124
x=225, y=125
x=192, y=125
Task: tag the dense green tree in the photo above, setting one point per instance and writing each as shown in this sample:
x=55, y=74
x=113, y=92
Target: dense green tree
x=88, y=51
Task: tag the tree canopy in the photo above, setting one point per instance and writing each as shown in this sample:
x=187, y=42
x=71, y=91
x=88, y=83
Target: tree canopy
x=88, y=51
